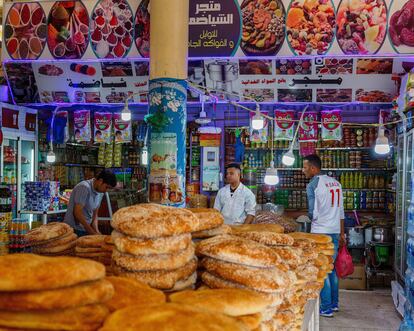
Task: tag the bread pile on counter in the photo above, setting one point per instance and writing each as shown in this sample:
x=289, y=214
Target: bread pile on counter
x=153, y=244
x=96, y=247
x=52, y=239
x=52, y=293
x=211, y=223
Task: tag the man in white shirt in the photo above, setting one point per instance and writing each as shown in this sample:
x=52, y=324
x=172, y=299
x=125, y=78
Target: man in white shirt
x=235, y=201
x=326, y=211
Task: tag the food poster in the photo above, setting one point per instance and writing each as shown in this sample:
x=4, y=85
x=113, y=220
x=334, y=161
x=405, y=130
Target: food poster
x=22, y=82
x=91, y=82
x=109, y=29
x=122, y=129
x=331, y=125
x=308, y=129
x=211, y=169
x=82, y=125
x=259, y=136
x=284, y=125
x=102, y=127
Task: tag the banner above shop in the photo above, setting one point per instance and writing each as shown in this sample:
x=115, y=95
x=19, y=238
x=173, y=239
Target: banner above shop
x=108, y=29
x=323, y=80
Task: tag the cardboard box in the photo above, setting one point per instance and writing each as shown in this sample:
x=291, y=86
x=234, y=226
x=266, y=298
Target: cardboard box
x=356, y=281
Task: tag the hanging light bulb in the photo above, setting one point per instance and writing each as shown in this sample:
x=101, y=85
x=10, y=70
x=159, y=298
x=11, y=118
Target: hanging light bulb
x=382, y=145
x=288, y=158
x=126, y=113
x=51, y=157
x=271, y=176
x=257, y=120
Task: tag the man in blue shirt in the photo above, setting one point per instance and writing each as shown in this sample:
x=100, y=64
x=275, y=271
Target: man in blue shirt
x=85, y=199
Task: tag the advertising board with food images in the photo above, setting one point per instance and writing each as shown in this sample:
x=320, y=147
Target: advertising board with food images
x=108, y=29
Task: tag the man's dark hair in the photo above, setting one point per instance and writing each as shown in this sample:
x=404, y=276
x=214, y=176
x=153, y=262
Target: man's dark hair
x=314, y=160
x=107, y=177
x=233, y=165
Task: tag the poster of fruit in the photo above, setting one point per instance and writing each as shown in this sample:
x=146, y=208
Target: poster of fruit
x=331, y=125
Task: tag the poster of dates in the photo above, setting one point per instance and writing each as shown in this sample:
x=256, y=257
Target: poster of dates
x=114, y=29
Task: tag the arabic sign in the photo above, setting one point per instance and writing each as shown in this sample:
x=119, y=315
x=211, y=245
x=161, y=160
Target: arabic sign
x=93, y=29
x=214, y=28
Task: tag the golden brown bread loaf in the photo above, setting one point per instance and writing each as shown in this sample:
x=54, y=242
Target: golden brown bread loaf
x=140, y=246
x=213, y=282
x=184, y=284
x=94, y=240
x=47, y=232
x=66, y=297
x=251, y=321
x=54, y=249
x=232, y=302
x=209, y=218
x=160, y=279
x=257, y=228
x=317, y=238
x=130, y=292
x=238, y=250
x=268, y=238
x=153, y=221
x=154, y=261
x=260, y=279
x=59, y=241
x=170, y=317
x=84, y=318
x=30, y=272
x=222, y=229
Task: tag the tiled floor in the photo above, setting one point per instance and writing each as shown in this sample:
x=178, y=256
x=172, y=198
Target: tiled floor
x=363, y=311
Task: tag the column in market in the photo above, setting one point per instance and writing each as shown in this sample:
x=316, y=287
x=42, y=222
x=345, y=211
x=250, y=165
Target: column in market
x=167, y=117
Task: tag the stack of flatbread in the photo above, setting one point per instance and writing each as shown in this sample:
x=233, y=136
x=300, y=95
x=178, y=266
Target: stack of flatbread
x=170, y=317
x=52, y=293
x=211, y=223
x=153, y=244
x=52, y=239
x=284, y=316
x=231, y=261
x=246, y=306
x=95, y=247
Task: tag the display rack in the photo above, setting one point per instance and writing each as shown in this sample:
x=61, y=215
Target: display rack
x=43, y=214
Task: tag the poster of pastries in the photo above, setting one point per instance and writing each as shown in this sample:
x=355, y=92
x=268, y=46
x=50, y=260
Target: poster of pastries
x=97, y=29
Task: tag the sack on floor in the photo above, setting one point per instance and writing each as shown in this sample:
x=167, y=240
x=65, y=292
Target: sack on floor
x=343, y=264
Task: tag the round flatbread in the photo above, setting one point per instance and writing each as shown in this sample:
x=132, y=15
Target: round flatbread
x=48, y=231
x=65, y=239
x=155, y=261
x=276, y=228
x=184, y=284
x=213, y=281
x=30, y=272
x=222, y=229
x=80, y=249
x=94, y=240
x=153, y=221
x=84, y=318
x=232, y=302
x=260, y=279
x=54, y=249
x=66, y=297
x=129, y=292
x=162, y=245
x=160, y=279
x=238, y=250
x=268, y=238
x=208, y=218
x=170, y=317
x=317, y=238
x=251, y=321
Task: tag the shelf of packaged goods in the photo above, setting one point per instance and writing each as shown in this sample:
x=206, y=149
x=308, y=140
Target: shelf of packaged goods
x=318, y=148
x=376, y=211
x=344, y=189
x=329, y=169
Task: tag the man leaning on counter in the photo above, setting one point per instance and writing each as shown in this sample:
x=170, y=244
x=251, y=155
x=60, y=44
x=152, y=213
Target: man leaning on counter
x=236, y=202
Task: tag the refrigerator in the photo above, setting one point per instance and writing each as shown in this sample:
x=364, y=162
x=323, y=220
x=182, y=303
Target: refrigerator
x=18, y=164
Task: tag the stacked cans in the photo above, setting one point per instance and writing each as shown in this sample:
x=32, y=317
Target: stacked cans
x=5, y=218
x=40, y=196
